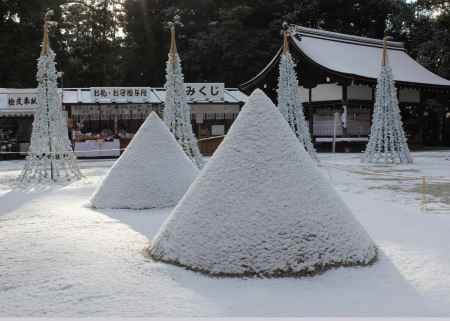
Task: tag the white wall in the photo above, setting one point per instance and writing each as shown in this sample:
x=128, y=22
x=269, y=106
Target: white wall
x=71, y=96
x=304, y=93
x=85, y=96
x=3, y=101
x=362, y=92
x=322, y=92
x=326, y=92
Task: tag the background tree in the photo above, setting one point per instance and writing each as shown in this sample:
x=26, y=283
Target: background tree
x=92, y=37
x=112, y=42
x=20, y=40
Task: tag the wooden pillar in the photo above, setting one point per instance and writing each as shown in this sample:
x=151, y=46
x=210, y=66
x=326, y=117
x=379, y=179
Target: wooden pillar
x=116, y=124
x=446, y=139
x=311, y=115
x=421, y=120
x=344, y=103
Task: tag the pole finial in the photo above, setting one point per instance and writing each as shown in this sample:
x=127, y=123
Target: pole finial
x=384, y=60
x=45, y=40
x=285, y=32
x=285, y=42
x=173, y=41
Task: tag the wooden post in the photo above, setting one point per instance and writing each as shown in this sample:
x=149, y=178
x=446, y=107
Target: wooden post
x=173, y=41
x=45, y=39
x=336, y=117
x=384, y=59
x=424, y=193
x=285, y=42
x=116, y=124
x=311, y=115
x=421, y=135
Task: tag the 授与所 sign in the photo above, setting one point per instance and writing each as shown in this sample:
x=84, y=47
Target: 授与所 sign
x=22, y=100
x=120, y=93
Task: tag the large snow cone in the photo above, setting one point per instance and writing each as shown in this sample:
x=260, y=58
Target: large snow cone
x=261, y=207
x=153, y=172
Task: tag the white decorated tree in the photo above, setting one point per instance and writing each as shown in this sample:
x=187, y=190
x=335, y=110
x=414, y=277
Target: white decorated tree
x=177, y=112
x=289, y=100
x=50, y=157
x=387, y=141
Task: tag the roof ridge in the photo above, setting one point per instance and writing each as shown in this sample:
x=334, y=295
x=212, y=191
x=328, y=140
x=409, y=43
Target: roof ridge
x=330, y=35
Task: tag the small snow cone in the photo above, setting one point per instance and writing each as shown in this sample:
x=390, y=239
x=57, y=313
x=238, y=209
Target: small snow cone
x=153, y=172
x=261, y=207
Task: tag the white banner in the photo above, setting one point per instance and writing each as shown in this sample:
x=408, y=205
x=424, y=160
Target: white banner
x=137, y=94
x=199, y=92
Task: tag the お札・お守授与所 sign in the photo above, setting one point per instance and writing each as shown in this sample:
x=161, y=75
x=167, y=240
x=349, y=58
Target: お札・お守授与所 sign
x=120, y=93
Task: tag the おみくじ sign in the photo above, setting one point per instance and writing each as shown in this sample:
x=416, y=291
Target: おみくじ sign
x=205, y=91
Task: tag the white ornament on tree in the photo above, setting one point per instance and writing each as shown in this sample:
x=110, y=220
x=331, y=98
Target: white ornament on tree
x=289, y=100
x=50, y=157
x=387, y=142
x=177, y=112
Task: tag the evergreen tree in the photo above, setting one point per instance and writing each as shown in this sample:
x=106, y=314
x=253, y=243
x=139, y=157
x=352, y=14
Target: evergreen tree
x=20, y=37
x=387, y=142
x=93, y=42
x=289, y=100
x=177, y=112
x=120, y=42
x=50, y=157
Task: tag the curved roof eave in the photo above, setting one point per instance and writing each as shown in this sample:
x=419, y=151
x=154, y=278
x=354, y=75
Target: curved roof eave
x=365, y=51
x=362, y=60
x=249, y=83
x=361, y=78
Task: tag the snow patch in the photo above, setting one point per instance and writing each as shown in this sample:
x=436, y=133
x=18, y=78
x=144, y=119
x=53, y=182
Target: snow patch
x=262, y=207
x=153, y=172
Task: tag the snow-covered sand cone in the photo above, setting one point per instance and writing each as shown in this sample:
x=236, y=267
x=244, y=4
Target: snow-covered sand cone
x=261, y=207
x=153, y=172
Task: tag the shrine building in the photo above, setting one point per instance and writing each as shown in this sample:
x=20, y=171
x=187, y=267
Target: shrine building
x=338, y=73
x=103, y=120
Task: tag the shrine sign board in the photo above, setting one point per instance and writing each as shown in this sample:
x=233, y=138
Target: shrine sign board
x=139, y=94
x=22, y=100
x=205, y=92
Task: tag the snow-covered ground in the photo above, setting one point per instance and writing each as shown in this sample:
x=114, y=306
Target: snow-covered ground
x=60, y=258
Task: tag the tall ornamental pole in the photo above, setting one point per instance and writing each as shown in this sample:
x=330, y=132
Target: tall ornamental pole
x=177, y=112
x=289, y=101
x=387, y=141
x=50, y=157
